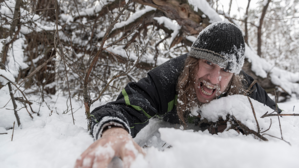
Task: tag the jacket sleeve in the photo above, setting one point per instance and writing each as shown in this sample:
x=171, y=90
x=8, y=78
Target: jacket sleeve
x=258, y=93
x=138, y=102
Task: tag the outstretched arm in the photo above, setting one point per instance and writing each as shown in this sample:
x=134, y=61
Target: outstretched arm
x=115, y=142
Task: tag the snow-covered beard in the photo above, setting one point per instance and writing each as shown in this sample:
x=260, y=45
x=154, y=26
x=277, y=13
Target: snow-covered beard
x=187, y=98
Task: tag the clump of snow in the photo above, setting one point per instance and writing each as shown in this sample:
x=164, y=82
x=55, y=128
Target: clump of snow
x=239, y=106
x=15, y=60
x=67, y=18
x=170, y=25
x=16, y=57
x=94, y=9
x=206, y=9
x=135, y=16
x=105, y=151
x=287, y=80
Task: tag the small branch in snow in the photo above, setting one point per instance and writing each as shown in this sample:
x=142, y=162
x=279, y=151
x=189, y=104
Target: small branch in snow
x=269, y=126
x=13, y=130
x=37, y=69
x=279, y=138
x=257, y=123
x=281, y=115
x=5, y=104
x=20, y=91
x=247, y=92
x=248, y=130
x=14, y=104
x=276, y=99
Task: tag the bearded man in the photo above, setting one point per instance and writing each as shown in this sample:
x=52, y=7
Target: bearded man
x=212, y=69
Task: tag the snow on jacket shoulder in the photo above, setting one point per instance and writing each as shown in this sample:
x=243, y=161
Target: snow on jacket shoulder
x=153, y=96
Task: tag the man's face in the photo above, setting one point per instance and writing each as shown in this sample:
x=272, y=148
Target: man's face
x=210, y=80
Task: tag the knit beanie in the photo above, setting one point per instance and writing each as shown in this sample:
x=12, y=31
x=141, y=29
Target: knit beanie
x=221, y=43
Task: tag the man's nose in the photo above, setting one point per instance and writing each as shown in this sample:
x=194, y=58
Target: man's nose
x=214, y=76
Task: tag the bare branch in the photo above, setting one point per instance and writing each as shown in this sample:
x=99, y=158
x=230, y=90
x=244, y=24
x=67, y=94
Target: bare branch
x=257, y=123
x=14, y=103
x=259, y=29
x=13, y=130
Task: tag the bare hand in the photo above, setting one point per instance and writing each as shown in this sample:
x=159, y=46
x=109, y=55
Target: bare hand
x=114, y=142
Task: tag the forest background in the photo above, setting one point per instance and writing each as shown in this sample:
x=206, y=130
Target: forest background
x=87, y=50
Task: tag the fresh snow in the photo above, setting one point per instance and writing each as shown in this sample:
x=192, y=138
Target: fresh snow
x=206, y=9
x=287, y=80
x=15, y=60
x=51, y=139
x=172, y=25
x=134, y=16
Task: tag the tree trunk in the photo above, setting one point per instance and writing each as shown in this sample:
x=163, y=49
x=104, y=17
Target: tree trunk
x=245, y=23
x=259, y=29
x=13, y=25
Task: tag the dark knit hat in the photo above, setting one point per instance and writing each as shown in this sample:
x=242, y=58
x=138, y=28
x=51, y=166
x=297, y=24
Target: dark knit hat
x=221, y=43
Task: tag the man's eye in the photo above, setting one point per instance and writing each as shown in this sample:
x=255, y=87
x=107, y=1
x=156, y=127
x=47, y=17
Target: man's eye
x=225, y=70
x=209, y=63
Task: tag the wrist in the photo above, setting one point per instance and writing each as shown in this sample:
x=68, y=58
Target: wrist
x=114, y=130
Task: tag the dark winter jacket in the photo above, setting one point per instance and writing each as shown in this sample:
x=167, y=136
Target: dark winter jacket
x=153, y=96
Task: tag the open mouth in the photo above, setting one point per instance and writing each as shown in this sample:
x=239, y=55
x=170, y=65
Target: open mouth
x=207, y=88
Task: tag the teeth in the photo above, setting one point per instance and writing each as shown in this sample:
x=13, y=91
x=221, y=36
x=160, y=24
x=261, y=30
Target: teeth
x=208, y=85
x=209, y=94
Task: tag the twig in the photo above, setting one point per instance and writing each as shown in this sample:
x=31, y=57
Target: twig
x=269, y=126
x=249, y=130
x=37, y=69
x=279, y=138
x=112, y=79
x=269, y=115
x=257, y=123
x=3, y=133
x=276, y=98
x=28, y=111
x=14, y=104
x=20, y=91
x=13, y=130
x=5, y=104
x=248, y=89
x=68, y=85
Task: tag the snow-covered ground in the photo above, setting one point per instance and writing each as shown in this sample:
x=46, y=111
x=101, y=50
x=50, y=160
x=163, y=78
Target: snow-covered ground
x=51, y=140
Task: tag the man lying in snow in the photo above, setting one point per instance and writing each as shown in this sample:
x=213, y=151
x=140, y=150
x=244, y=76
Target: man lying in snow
x=212, y=69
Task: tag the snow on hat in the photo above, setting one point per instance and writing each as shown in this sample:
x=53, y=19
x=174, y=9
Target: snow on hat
x=221, y=43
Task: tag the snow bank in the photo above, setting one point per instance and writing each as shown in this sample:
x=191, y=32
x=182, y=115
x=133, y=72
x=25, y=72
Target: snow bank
x=227, y=149
x=239, y=106
x=203, y=150
x=51, y=140
x=287, y=80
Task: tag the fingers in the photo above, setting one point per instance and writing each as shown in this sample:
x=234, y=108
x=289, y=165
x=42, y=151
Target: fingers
x=102, y=161
x=128, y=159
x=88, y=161
x=94, y=160
x=130, y=152
x=115, y=142
x=85, y=162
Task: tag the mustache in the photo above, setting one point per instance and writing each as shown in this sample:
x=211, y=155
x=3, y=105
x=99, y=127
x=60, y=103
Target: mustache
x=200, y=82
